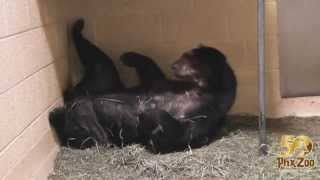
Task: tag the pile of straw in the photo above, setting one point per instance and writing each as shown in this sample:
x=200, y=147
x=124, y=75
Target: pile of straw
x=234, y=156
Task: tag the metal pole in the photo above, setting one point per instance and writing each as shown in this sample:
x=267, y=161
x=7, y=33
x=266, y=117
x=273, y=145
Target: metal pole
x=261, y=54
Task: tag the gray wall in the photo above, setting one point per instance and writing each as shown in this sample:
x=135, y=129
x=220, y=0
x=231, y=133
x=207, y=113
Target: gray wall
x=299, y=31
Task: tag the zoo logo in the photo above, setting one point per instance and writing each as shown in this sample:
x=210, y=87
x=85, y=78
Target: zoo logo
x=297, y=149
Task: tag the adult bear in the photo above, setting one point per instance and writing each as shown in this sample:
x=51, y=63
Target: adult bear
x=166, y=116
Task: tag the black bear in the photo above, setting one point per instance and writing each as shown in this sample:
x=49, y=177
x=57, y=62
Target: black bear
x=163, y=114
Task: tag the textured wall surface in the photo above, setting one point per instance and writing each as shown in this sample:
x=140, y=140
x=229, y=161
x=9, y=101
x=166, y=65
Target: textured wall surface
x=299, y=47
x=33, y=58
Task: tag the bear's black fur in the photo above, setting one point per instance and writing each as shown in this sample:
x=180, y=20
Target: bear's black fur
x=163, y=114
x=100, y=74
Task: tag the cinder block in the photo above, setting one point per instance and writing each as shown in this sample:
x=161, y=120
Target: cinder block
x=76, y=8
x=22, y=104
x=17, y=15
x=57, y=38
x=33, y=160
x=47, y=12
x=26, y=53
x=47, y=166
x=37, y=10
x=247, y=97
x=167, y=6
x=271, y=53
x=235, y=53
x=246, y=100
x=17, y=54
x=3, y=25
x=271, y=18
x=268, y=1
x=196, y=27
x=247, y=77
x=123, y=7
x=251, y=54
x=52, y=11
x=273, y=95
x=139, y=30
x=242, y=20
x=22, y=145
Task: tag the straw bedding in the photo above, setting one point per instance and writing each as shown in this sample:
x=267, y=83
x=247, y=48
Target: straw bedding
x=233, y=156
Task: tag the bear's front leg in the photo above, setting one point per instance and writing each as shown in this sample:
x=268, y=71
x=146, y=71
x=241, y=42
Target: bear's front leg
x=148, y=71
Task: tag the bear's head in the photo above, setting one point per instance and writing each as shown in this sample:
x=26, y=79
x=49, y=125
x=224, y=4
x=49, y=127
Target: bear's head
x=203, y=65
x=76, y=132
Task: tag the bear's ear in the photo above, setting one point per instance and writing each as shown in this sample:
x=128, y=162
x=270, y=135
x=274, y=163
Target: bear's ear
x=57, y=119
x=201, y=45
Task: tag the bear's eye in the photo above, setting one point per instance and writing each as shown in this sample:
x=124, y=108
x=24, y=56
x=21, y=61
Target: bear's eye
x=77, y=128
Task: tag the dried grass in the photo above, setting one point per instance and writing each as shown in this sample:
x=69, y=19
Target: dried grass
x=234, y=156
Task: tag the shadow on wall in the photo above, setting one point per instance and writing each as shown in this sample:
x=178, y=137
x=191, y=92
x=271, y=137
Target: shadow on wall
x=53, y=19
x=57, y=16
x=55, y=22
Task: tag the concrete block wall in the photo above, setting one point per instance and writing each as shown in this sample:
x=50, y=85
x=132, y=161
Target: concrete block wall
x=33, y=56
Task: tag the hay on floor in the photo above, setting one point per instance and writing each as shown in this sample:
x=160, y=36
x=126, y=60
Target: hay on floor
x=234, y=156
